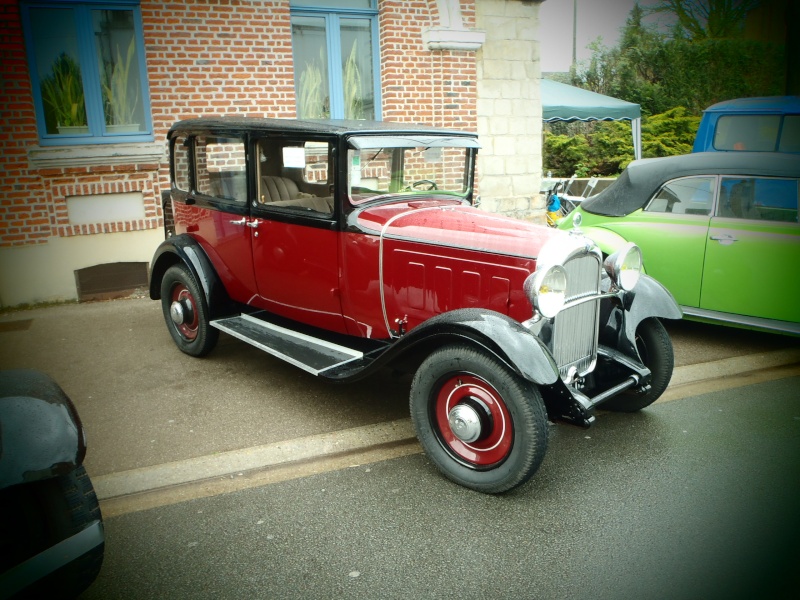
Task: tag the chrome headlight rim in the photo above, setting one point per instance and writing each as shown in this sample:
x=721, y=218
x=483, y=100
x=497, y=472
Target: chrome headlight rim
x=625, y=266
x=547, y=290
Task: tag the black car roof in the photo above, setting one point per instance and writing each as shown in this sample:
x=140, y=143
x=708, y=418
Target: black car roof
x=342, y=128
x=642, y=178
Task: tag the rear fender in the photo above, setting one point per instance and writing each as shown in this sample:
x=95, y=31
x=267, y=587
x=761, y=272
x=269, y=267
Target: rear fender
x=183, y=249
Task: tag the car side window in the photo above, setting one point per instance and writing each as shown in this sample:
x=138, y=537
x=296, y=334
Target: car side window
x=221, y=168
x=295, y=177
x=759, y=198
x=182, y=166
x=686, y=196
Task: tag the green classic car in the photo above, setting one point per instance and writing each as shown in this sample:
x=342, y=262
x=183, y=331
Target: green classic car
x=718, y=229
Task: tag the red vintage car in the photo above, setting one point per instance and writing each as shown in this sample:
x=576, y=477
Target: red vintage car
x=346, y=247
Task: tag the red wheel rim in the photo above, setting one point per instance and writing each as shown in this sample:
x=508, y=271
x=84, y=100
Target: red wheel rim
x=182, y=295
x=495, y=445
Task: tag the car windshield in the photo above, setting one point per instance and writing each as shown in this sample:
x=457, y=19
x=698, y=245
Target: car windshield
x=401, y=166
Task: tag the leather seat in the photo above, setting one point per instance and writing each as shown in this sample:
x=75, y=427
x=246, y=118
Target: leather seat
x=276, y=189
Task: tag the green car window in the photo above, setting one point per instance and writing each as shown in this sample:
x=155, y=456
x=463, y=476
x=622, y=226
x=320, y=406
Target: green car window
x=685, y=196
x=760, y=198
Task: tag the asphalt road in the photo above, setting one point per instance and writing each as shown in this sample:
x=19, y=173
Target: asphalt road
x=694, y=498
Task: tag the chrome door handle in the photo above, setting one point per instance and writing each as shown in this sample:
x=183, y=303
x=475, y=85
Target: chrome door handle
x=241, y=221
x=725, y=239
x=253, y=224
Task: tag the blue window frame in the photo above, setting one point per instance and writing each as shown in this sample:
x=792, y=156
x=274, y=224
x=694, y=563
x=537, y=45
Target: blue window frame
x=336, y=60
x=88, y=73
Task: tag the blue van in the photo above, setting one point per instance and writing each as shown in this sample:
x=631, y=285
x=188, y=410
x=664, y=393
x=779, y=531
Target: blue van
x=770, y=124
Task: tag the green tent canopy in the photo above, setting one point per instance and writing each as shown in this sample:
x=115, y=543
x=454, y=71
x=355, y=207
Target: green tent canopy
x=562, y=102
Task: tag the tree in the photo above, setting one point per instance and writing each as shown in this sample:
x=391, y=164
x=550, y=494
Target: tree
x=707, y=19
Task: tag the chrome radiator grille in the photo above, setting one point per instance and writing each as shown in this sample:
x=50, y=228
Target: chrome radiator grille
x=575, y=328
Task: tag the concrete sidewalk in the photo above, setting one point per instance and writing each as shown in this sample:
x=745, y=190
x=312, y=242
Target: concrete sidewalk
x=144, y=403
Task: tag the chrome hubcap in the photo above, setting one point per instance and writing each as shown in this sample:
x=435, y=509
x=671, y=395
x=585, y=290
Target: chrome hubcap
x=465, y=423
x=176, y=313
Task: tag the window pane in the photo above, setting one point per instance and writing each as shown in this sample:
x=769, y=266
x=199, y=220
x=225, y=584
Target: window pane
x=119, y=70
x=59, y=72
x=359, y=99
x=310, y=67
x=410, y=170
x=755, y=198
x=182, y=149
x=754, y=133
x=221, y=168
x=334, y=3
x=689, y=196
x=790, y=136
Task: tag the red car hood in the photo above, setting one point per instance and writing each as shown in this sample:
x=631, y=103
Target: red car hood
x=451, y=224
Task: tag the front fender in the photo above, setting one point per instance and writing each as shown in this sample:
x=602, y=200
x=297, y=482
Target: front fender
x=41, y=435
x=504, y=337
x=620, y=319
x=183, y=249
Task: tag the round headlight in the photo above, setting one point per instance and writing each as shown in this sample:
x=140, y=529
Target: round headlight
x=547, y=289
x=625, y=266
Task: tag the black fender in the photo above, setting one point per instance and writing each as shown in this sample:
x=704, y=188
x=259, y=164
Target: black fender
x=41, y=435
x=621, y=316
x=497, y=333
x=188, y=251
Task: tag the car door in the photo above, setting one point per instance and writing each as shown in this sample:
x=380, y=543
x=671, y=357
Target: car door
x=671, y=231
x=209, y=203
x=753, y=250
x=295, y=238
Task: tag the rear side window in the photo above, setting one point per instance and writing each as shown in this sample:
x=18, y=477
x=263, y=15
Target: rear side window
x=221, y=168
x=182, y=166
x=762, y=199
x=686, y=196
x=751, y=133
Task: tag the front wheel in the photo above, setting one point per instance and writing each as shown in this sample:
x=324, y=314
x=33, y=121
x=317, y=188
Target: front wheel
x=655, y=350
x=186, y=312
x=482, y=425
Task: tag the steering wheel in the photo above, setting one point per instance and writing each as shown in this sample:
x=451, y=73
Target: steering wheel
x=431, y=185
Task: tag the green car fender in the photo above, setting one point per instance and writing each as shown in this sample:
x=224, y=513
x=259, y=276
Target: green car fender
x=607, y=240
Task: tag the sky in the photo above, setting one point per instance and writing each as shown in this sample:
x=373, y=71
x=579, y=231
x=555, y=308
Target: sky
x=596, y=18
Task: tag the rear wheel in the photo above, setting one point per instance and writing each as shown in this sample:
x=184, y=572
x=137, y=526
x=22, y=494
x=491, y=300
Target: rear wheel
x=482, y=425
x=186, y=312
x=655, y=350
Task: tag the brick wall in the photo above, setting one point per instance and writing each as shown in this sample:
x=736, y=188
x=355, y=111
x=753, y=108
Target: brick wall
x=204, y=57
x=419, y=85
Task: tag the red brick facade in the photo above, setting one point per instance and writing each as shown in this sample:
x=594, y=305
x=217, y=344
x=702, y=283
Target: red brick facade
x=208, y=57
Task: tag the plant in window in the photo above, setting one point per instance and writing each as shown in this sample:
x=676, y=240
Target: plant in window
x=310, y=103
x=353, y=97
x=119, y=98
x=62, y=93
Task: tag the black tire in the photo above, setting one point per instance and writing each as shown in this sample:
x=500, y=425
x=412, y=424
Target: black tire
x=513, y=419
x=39, y=515
x=655, y=350
x=190, y=330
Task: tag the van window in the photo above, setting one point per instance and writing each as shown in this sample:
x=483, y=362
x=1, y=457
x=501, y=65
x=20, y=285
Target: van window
x=752, y=133
x=790, y=134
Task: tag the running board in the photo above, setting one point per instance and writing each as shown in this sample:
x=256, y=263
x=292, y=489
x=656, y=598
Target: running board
x=309, y=353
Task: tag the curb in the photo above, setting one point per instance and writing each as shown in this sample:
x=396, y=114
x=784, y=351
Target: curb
x=363, y=438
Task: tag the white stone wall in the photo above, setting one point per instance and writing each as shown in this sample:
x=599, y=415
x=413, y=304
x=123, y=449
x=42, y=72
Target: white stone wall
x=509, y=108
